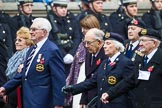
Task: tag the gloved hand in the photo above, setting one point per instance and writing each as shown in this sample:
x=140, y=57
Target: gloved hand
x=68, y=59
x=68, y=89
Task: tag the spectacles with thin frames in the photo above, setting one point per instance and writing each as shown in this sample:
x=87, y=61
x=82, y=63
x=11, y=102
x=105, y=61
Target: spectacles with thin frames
x=89, y=42
x=145, y=40
x=35, y=29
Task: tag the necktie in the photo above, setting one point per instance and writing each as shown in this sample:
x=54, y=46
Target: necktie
x=145, y=60
x=30, y=56
x=129, y=52
x=92, y=59
x=130, y=47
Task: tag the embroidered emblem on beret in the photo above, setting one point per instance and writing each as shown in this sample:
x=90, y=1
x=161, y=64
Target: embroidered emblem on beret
x=107, y=35
x=144, y=32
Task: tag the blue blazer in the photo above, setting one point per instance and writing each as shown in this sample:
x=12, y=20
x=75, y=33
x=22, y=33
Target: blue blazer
x=41, y=87
x=107, y=77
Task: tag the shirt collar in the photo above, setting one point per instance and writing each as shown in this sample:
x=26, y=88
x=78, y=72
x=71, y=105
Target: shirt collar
x=112, y=59
x=134, y=44
x=151, y=54
x=95, y=55
x=39, y=44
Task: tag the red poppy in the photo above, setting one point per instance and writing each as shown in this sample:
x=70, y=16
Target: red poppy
x=135, y=22
x=42, y=61
x=112, y=64
x=150, y=69
x=98, y=61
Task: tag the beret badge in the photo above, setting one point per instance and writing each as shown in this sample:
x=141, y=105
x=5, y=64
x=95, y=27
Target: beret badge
x=107, y=35
x=144, y=31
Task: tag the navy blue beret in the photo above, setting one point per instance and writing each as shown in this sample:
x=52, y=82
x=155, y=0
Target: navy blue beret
x=114, y=36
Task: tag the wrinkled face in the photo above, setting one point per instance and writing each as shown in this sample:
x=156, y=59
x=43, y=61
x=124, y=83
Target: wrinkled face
x=133, y=33
x=60, y=11
x=109, y=48
x=26, y=8
x=20, y=43
x=37, y=34
x=91, y=44
x=132, y=10
x=147, y=44
x=158, y=4
x=97, y=6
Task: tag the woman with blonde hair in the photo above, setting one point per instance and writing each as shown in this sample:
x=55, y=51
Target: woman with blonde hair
x=23, y=42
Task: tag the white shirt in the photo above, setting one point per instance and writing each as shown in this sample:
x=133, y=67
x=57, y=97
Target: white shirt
x=134, y=44
x=151, y=54
x=112, y=59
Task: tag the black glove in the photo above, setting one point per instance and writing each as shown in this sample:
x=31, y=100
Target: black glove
x=68, y=89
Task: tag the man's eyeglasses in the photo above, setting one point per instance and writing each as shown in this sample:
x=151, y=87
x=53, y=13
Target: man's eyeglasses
x=35, y=29
x=145, y=40
x=89, y=42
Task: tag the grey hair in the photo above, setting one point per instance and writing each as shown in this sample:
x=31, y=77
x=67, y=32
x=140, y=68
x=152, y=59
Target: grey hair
x=98, y=34
x=43, y=24
x=157, y=41
x=118, y=45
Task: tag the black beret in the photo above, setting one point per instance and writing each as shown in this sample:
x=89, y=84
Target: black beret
x=136, y=22
x=25, y=1
x=114, y=36
x=150, y=33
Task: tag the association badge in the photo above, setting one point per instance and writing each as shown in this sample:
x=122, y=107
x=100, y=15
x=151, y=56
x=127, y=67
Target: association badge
x=112, y=80
x=40, y=67
x=107, y=35
x=144, y=31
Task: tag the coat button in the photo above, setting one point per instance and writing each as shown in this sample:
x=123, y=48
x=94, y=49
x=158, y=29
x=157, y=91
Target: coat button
x=103, y=79
x=100, y=89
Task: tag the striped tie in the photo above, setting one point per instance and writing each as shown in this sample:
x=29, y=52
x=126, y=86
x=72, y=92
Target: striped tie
x=30, y=56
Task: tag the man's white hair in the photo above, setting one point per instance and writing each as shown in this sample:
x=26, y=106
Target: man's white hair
x=43, y=24
x=98, y=34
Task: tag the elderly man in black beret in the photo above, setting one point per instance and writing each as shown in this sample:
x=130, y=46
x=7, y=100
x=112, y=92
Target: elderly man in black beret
x=111, y=71
x=147, y=79
x=132, y=44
